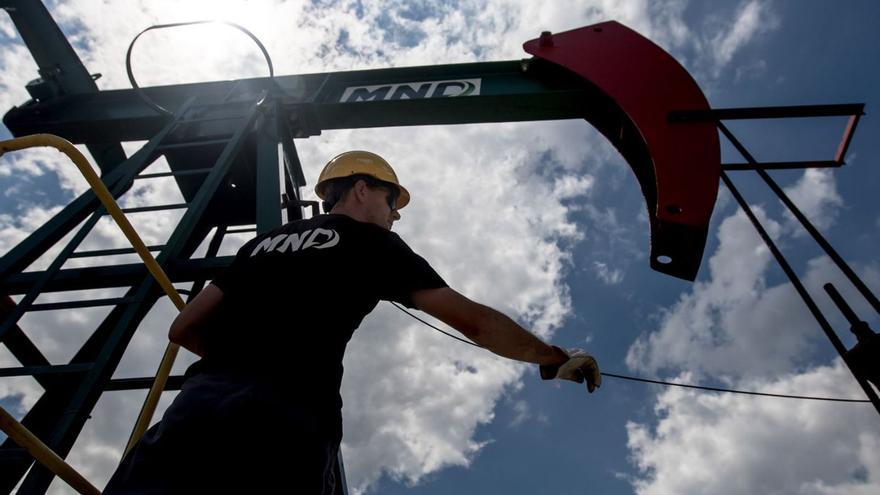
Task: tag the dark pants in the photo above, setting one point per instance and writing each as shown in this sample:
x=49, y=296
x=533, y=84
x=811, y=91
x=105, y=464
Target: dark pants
x=231, y=434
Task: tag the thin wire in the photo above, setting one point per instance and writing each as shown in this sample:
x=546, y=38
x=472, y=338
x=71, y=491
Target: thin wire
x=657, y=382
x=435, y=328
x=716, y=389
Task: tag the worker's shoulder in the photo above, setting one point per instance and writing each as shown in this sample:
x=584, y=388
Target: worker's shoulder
x=327, y=221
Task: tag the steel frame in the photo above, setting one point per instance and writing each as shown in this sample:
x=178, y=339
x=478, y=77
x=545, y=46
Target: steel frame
x=223, y=154
x=854, y=113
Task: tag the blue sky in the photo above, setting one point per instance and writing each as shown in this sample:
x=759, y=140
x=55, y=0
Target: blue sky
x=545, y=222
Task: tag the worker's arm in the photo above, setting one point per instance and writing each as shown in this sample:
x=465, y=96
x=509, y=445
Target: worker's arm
x=186, y=330
x=487, y=327
x=501, y=335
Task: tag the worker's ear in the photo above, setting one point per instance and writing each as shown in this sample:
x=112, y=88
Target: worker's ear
x=360, y=190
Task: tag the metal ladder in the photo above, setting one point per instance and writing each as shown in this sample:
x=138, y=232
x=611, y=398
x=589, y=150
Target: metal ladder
x=219, y=131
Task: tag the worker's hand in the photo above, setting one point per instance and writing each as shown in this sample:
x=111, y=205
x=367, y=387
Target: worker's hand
x=580, y=367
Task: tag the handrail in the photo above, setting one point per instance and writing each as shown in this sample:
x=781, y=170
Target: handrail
x=152, y=400
x=42, y=453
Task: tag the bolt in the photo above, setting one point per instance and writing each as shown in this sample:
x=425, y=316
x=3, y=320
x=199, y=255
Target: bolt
x=546, y=39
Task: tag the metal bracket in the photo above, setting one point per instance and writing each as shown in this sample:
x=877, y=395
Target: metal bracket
x=286, y=202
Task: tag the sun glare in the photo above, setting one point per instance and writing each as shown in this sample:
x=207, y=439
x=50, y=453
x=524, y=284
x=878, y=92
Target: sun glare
x=203, y=52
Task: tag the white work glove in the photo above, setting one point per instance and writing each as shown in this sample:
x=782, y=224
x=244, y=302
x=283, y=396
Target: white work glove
x=579, y=367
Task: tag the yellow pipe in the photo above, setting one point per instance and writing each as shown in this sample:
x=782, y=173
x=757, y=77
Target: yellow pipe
x=100, y=190
x=22, y=436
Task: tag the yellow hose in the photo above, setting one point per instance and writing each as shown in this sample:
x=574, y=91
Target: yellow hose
x=107, y=200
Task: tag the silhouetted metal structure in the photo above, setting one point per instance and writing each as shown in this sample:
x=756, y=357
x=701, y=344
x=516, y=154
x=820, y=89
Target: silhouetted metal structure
x=221, y=143
x=858, y=362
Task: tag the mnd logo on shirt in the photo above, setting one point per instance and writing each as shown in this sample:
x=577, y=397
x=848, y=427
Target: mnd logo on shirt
x=283, y=243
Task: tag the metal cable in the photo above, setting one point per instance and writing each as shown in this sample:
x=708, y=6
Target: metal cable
x=716, y=389
x=658, y=382
x=435, y=328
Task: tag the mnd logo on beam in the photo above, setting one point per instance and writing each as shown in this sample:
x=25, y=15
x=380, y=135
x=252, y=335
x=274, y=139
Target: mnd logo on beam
x=412, y=90
x=283, y=243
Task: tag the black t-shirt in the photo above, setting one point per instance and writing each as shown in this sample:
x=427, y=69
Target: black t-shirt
x=293, y=297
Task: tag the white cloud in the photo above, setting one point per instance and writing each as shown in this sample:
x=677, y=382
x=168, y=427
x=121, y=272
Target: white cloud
x=24, y=390
x=24, y=164
x=815, y=194
x=719, y=444
x=14, y=229
x=752, y=18
x=523, y=413
x=616, y=233
x=413, y=399
x=102, y=441
x=696, y=330
x=567, y=187
x=751, y=70
x=610, y=276
x=18, y=68
x=7, y=28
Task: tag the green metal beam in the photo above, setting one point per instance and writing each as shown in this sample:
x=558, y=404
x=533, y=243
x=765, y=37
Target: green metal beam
x=55, y=58
x=504, y=91
x=101, y=277
x=267, y=178
x=61, y=71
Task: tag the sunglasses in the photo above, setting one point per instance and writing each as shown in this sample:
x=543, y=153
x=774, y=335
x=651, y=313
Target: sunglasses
x=393, y=194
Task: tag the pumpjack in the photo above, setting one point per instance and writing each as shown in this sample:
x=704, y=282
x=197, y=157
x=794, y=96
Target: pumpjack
x=221, y=142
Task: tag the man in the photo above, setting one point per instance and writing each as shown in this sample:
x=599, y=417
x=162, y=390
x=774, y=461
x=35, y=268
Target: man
x=261, y=412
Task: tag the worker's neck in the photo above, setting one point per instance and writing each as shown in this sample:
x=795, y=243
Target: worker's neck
x=347, y=210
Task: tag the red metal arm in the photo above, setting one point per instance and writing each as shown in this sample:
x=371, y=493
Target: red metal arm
x=677, y=164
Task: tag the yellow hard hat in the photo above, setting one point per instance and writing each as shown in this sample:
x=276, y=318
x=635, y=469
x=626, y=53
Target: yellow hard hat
x=360, y=162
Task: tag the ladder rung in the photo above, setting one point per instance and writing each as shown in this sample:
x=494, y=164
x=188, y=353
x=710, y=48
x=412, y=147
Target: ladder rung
x=223, y=104
x=209, y=119
x=207, y=142
x=204, y=108
x=241, y=231
x=111, y=252
x=155, y=208
x=174, y=383
x=175, y=174
x=46, y=370
x=90, y=303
